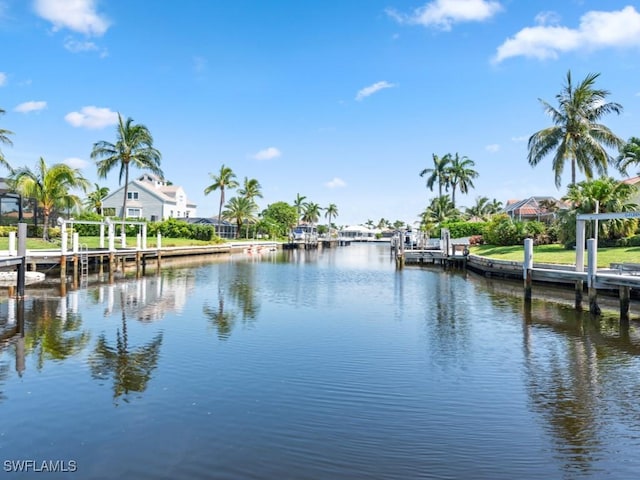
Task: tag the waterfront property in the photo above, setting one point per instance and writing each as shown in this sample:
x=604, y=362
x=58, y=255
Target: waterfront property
x=316, y=364
x=151, y=198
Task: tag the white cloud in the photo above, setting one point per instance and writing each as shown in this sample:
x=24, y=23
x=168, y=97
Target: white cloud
x=521, y=138
x=371, y=89
x=267, y=154
x=77, y=15
x=493, y=148
x=3, y=79
x=597, y=30
x=75, y=46
x=443, y=14
x=75, y=162
x=92, y=117
x=336, y=182
x=31, y=106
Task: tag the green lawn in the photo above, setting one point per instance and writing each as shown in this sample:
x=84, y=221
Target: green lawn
x=558, y=254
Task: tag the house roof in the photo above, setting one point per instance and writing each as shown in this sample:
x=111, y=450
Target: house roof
x=529, y=206
x=631, y=181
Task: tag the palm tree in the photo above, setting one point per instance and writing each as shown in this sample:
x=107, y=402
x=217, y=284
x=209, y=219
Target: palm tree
x=629, y=154
x=311, y=213
x=49, y=186
x=611, y=196
x=133, y=147
x=461, y=174
x=94, y=199
x=576, y=135
x=4, y=138
x=369, y=224
x=439, y=172
x=481, y=209
x=440, y=210
x=240, y=209
x=225, y=179
x=330, y=212
x=300, y=205
x=495, y=207
x=251, y=189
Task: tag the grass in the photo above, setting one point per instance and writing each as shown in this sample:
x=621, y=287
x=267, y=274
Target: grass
x=558, y=254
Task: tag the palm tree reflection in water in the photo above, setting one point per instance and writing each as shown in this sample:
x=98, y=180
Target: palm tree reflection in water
x=130, y=368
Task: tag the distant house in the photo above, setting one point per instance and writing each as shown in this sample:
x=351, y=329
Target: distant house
x=151, y=198
x=533, y=208
x=358, y=232
x=224, y=229
x=635, y=198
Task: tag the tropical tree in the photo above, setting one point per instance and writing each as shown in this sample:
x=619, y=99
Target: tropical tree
x=330, y=212
x=481, y=209
x=240, y=209
x=94, y=199
x=460, y=173
x=439, y=173
x=369, y=223
x=576, y=135
x=251, y=189
x=440, y=210
x=225, y=179
x=133, y=147
x=282, y=216
x=495, y=207
x=629, y=155
x=4, y=138
x=49, y=186
x=609, y=195
x=300, y=205
x=311, y=213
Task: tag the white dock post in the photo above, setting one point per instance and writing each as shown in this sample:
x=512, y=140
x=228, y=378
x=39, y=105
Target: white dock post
x=76, y=242
x=144, y=236
x=138, y=241
x=159, y=241
x=592, y=255
x=528, y=268
x=12, y=244
x=102, y=235
x=123, y=238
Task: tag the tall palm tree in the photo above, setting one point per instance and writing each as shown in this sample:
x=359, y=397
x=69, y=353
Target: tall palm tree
x=311, y=213
x=4, y=138
x=251, y=189
x=495, y=207
x=461, y=175
x=300, y=205
x=577, y=136
x=240, y=209
x=133, y=147
x=629, y=155
x=94, y=199
x=439, y=173
x=330, y=212
x=49, y=186
x=225, y=179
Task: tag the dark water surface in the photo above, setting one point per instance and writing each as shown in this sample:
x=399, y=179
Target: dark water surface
x=307, y=365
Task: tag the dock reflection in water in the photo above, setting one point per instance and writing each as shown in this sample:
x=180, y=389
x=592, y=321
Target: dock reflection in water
x=306, y=364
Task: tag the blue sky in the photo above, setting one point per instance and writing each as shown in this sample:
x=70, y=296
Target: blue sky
x=341, y=101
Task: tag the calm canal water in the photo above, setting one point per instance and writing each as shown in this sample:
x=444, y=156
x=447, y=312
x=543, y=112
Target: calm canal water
x=316, y=365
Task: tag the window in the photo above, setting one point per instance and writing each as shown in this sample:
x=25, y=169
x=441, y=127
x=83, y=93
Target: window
x=171, y=214
x=134, y=212
x=132, y=195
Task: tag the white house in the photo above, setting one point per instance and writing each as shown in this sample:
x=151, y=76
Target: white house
x=150, y=197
